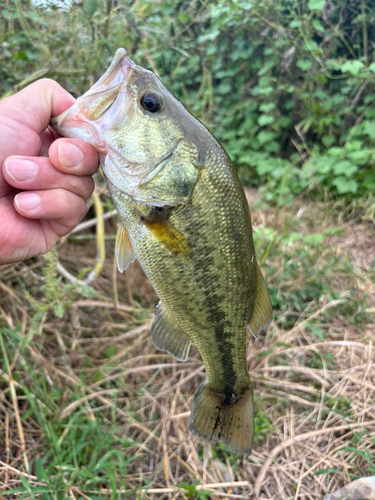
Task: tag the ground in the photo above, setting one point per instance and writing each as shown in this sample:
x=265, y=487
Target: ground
x=89, y=409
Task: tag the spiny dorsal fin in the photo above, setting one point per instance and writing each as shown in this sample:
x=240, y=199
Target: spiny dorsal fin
x=167, y=336
x=167, y=234
x=123, y=250
x=261, y=315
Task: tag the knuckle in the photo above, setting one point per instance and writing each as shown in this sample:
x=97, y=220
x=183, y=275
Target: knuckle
x=81, y=186
x=81, y=210
x=90, y=185
x=73, y=208
x=47, y=82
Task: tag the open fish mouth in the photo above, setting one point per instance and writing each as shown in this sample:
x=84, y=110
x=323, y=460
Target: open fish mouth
x=85, y=119
x=101, y=118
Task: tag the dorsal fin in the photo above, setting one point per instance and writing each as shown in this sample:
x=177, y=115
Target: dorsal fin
x=123, y=250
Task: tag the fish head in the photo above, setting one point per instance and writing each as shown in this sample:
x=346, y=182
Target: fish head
x=143, y=133
x=87, y=119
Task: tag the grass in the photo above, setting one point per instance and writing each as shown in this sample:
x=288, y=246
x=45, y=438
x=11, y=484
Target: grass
x=89, y=409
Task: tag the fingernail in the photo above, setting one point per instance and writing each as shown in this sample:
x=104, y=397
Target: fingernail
x=70, y=155
x=20, y=169
x=27, y=201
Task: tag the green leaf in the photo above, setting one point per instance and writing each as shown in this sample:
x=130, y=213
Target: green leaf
x=324, y=164
x=360, y=157
x=353, y=67
x=327, y=471
x=320, y=78
x=328, y=140
x=224, y=88
x=344, y=167
x=265, y=136
x=317, y=332
x=316, y=4
x=58, y=309
x=89, y=6
x=313, y=239
x=345, y=185
x=266, y=67
x=317, y=25
x=110, y=351
x=266, y=107
x=310, y=46
x=369, y=129
x=335, y=151
x=354, y=146
x=296, y=23
x=203, y=494
x=304, y=64
x=265, y=120
x=40, y=471
x=211, y=35
x=186, y=486
x=284, y=121
x=294, y=237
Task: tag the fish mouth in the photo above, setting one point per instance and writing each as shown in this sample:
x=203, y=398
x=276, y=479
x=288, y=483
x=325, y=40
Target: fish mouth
x=82, y=120
x=108, y=105
x=114, y=79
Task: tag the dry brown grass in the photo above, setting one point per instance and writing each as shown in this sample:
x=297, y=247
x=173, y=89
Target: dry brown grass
x=316, y=397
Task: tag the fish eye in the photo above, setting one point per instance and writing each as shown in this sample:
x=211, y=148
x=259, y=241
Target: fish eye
x=151, y=102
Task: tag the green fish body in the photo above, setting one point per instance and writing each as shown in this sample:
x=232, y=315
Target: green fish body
x=186, y=219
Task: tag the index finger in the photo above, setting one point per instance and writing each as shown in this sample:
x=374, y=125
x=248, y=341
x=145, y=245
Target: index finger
x=34, y=105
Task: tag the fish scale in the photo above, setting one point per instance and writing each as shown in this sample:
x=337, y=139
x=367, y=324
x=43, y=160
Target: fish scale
x=214, y=312
x=185, y=217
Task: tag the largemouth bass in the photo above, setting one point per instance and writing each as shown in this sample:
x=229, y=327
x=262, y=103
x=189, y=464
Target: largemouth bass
x=186, y=219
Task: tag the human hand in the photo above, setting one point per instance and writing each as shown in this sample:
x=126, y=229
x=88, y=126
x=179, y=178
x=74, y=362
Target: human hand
x=44, y=180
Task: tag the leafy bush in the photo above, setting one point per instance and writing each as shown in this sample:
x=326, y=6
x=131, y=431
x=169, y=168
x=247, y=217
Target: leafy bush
x=286, y=87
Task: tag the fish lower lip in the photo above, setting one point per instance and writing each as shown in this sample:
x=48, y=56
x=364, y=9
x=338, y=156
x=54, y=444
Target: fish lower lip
x=57, y=120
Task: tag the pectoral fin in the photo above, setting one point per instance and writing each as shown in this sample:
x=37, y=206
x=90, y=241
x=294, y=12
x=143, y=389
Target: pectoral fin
x=124, y=251
x=261, y=314
x=167, y=336
x=167, y=234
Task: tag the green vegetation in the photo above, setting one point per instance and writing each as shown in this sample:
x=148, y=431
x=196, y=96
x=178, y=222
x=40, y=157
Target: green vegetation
x=286, y=87
x=88, y=408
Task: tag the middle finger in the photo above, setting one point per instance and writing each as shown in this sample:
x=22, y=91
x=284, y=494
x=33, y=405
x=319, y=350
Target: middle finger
x=30, y=173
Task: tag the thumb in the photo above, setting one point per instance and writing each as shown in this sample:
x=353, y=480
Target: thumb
x=24, y=116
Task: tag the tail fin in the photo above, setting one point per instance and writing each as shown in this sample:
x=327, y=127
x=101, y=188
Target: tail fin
x=213, y=417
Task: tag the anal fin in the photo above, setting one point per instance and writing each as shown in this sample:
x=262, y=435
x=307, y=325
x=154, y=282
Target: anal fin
x=261, y=315
x=167, y=336
x=124, y=251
